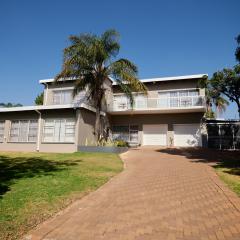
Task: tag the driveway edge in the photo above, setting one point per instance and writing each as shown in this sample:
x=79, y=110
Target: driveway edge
x=231, y=196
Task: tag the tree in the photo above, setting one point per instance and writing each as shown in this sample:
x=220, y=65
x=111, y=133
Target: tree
x=237, y=53
x=39, y=99
x=212, y=98
x=90, y=59
x=227, y=82
x=220, y=103
x=8, y=105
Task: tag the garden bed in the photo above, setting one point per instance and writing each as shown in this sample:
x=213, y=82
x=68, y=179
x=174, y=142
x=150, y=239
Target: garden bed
x=105, y=149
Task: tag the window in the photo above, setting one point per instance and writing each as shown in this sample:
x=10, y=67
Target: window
x=126, y=133
x=180, y=98
x=59, y=130
x=133, y=134
x=23, y=131
x=121, y=133
x=121, y=102
x=2, y=131
x=140, y=101
x=62, y=96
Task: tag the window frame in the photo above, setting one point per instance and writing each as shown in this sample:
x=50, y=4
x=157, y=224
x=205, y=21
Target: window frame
x=62, y=96
x=27, y=133
x=3, y=130
x=59, y=136
x=187, y=90
x=131, y=129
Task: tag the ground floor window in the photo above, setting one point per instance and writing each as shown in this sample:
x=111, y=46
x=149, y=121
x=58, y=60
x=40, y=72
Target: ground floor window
x=127, y=133
x=2, y=131
x=59, y=130
x=23, y=131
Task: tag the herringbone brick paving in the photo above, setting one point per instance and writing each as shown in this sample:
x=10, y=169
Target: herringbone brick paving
x=158, y=196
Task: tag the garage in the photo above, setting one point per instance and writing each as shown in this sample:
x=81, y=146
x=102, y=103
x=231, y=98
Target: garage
x=155, y=134
x=187, y=135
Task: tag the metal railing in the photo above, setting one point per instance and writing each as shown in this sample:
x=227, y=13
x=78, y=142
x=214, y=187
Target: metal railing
x=223, y=136
x=158, y=103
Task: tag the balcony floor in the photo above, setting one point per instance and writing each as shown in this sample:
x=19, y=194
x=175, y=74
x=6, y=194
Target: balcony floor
x=157, y=111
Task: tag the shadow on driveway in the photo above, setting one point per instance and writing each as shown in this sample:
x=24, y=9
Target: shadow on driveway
x=217, y=158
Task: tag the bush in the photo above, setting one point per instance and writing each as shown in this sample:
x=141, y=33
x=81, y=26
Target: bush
x=120, y=143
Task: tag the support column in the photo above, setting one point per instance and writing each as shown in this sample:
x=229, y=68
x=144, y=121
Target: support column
x=77, y=128
x=39, y=130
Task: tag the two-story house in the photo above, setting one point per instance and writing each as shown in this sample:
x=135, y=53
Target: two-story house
x=169, y=115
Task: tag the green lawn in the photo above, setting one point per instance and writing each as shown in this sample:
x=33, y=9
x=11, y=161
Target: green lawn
x=233, y=181
x=229, y=171
x=34, y=186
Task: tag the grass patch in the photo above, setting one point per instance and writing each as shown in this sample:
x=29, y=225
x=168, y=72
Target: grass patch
x=231, y=180
x=228, y=170
x=34, y=186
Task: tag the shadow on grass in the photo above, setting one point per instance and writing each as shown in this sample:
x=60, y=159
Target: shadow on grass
x=219, y=159
x=13, y=168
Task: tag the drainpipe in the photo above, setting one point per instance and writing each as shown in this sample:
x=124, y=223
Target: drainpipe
x=39, y=130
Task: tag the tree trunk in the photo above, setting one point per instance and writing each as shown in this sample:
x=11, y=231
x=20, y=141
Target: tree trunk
x=97, y=124
x=238, y=105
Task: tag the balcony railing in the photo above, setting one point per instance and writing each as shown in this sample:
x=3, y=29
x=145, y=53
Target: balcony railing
x=159, y=103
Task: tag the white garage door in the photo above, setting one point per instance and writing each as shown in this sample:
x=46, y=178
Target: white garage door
x=187, y=135
x=155, y=134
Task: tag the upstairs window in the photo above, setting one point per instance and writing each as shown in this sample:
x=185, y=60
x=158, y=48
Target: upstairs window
x=179, y=98
x=121, y=102
x=178, y=93
x=59, y=130
x=23, y=131
x=2, y=131
x=62, y=97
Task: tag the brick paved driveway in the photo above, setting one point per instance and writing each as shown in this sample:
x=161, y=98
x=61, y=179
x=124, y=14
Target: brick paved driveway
x=160, y=195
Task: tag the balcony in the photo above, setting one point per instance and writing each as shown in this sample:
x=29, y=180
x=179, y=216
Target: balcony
x=163, y=104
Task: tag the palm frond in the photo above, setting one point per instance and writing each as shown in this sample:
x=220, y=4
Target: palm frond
x=203, y=82
x=221, y=103
x=110, y=40
x=89, y=60
x=127, y=91
x=125, y=74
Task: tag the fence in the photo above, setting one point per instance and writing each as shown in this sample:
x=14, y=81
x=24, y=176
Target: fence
x=223, y=135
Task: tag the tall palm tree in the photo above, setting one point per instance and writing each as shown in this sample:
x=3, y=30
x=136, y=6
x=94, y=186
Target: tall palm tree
x=90, y=59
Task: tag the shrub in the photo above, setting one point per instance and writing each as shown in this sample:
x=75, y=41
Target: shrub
x=120, y=143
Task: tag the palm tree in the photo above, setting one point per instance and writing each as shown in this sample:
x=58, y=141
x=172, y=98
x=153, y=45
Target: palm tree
x=220, y=103
x=212, y=97
x=90, y=60
x=204, y=83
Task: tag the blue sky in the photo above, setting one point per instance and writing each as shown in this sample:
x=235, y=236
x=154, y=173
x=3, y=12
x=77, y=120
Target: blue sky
x=164, y=38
